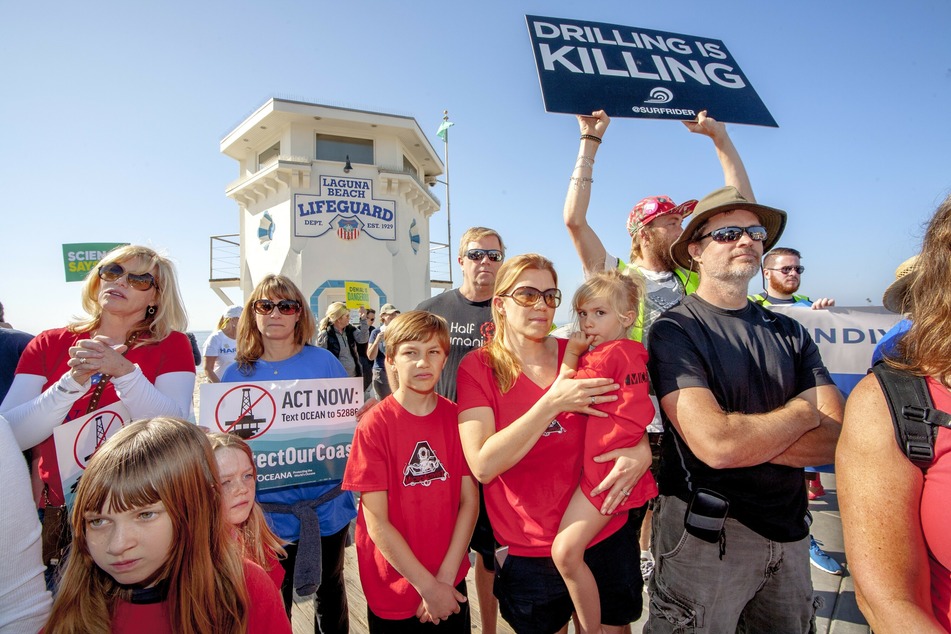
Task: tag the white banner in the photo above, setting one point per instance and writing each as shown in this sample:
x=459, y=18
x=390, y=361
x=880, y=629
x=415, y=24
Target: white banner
x=300, y=431
x=846, y=337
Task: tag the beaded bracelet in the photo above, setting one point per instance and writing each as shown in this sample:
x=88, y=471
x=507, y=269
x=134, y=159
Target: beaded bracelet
x=581, y=182
x=591, y=137
x=584, y=161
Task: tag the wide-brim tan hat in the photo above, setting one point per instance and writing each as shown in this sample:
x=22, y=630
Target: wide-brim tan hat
x=894, y=297
x=726, y=199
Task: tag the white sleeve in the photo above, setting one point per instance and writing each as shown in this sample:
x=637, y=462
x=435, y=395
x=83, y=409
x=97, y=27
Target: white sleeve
x=34, y=414
x=170, y=396
x=24, y=600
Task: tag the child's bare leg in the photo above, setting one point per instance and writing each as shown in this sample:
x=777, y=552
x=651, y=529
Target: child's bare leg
x=580, y=524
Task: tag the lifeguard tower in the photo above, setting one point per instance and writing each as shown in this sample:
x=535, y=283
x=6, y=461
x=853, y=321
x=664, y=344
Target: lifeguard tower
x=329, y=196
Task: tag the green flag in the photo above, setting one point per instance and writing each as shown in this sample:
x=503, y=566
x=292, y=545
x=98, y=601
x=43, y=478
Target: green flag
x=444, y=129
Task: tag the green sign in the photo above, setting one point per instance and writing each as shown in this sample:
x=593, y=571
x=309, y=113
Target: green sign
x=79, y=259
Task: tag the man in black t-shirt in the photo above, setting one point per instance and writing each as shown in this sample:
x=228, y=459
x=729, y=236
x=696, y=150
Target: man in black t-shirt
x=747, y=403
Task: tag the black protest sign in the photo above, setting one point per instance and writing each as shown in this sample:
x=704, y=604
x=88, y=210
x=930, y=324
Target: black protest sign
x=634, y=72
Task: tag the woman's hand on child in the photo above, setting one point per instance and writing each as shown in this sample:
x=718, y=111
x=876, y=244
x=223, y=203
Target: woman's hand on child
x=581, y=395
x=630, y=463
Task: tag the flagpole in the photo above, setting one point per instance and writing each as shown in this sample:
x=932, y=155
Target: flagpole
x=445, y=119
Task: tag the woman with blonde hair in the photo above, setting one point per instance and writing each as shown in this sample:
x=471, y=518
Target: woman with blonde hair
x=130, y=346
x=150, y=549
x=274, y=336
x=337, y=335
x=895, y=513
x=522, y=426
x=237, y=477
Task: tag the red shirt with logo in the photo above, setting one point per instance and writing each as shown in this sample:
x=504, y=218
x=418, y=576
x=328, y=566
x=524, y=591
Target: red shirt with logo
x=418, y=461
x=625, y=361
x=526, y=502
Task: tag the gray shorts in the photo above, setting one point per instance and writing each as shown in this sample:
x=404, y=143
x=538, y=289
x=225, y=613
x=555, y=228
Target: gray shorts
x=758, y=586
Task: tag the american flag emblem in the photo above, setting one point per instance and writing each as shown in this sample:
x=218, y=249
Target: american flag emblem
x=348, y=228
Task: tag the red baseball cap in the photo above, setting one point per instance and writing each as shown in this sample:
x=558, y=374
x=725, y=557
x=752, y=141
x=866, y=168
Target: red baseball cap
x=654, y=206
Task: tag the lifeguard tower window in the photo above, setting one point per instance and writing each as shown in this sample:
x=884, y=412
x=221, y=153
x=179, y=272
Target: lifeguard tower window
x=338, y=148
x=269, y=155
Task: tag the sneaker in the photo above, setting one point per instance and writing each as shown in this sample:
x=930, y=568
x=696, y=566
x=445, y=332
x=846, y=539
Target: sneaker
x=647, y=566
x=815, y=492
x=820, y=559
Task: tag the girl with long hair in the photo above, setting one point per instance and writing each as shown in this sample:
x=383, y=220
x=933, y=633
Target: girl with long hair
x=150, y=548
x=607, y=308
x=237, y=475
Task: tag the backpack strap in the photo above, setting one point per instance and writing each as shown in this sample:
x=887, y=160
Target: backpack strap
x=915, y=419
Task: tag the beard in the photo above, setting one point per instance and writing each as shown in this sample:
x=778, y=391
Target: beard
x=785, y=286
x=659, y=247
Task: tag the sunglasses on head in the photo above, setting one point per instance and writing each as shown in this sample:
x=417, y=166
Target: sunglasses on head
x=285, y=306
x=732, y=234
x=138, y=281
x=476, y=255
x=786, y=270
x=528, y=296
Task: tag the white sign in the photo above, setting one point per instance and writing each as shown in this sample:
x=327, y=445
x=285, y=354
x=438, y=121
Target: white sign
x=300, y=431
x=346, y=206
x=77, y=440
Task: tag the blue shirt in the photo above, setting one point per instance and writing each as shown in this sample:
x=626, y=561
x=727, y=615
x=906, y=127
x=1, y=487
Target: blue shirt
x=309, y=363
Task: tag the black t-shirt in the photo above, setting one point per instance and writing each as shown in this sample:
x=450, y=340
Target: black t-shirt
x=470, y=327
x=753, y=361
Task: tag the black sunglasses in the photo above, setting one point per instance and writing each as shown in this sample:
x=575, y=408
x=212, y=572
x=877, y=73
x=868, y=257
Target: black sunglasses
x=285, y=306
x=477, y=254
x=138, y=281
x=786, y=270
x=528, y=296
x=732, y=234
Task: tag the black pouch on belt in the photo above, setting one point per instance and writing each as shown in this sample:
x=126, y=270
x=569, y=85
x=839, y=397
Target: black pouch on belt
x=706, y=515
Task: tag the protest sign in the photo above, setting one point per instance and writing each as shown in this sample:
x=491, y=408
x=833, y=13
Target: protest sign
x=634, y=72
x=79, y=259
x=77, y=440
x=846, y=337
x=300, y=431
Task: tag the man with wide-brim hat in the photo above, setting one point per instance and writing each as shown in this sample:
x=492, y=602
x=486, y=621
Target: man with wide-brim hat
x=747, y=403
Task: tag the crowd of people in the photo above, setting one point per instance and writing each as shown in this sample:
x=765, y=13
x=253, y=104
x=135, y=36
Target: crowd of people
x=667, y=441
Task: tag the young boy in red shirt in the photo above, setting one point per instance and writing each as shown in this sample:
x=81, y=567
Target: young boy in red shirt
x=418, y=501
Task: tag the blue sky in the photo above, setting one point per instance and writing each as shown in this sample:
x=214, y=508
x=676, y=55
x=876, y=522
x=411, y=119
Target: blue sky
x=112, y=114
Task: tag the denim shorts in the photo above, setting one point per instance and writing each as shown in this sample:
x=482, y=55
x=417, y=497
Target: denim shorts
x=533, y=597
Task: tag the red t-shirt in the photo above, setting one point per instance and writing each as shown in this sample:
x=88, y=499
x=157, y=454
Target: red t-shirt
x=418, y=461
x=936, y=512
x=625, y=361
x=265, y=609
x=526, y=502
x=47, y=355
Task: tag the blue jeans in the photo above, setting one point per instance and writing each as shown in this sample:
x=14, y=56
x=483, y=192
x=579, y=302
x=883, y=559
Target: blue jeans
x=758, y=586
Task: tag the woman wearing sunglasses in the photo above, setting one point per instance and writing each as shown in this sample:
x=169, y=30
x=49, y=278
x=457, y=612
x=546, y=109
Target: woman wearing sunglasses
x=522, y=427
x=274, y=343
x=129, y=347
